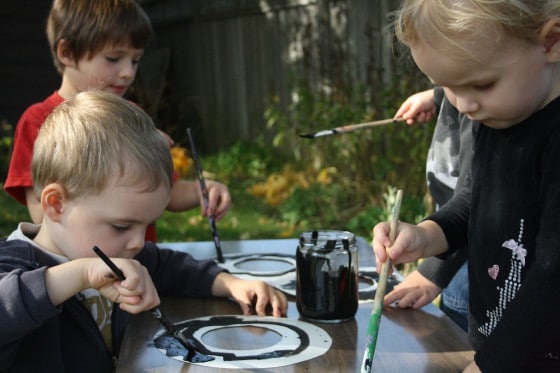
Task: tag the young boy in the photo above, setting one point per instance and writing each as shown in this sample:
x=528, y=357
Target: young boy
x=501, y=62
x=102, y=173
x=448, y=164
x=96, y=45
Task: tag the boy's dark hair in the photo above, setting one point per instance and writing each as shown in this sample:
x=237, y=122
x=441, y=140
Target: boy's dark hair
x=88, y=26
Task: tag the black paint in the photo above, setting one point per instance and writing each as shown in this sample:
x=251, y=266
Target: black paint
x=327, y=282
x=190, y=327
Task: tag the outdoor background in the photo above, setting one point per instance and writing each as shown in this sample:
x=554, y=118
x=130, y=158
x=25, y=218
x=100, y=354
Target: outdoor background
x=249, y=76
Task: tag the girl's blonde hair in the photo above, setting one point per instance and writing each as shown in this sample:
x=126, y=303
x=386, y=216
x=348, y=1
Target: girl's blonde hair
x=90, y=25
x=98, y=139
x=457, y=25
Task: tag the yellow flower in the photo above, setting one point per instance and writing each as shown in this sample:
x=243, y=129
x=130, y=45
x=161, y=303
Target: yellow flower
x=181, y=161
x=325, y=175
x=278, y=187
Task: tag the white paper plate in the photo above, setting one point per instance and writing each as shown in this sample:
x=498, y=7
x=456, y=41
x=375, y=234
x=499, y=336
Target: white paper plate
x=297, y=341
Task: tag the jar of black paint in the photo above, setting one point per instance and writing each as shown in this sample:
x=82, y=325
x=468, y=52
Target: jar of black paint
x=327, y=276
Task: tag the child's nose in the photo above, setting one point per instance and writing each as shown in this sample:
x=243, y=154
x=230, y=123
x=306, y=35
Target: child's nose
x=128, y=71
x=466, y=105
x=136, y=242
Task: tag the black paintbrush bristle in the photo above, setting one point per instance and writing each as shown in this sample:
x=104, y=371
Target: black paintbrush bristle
x=307, y=135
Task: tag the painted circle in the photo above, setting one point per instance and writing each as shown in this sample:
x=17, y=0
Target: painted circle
x=299, y=341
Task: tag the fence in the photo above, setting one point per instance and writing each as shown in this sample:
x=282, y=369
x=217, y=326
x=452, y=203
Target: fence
x=216, y=65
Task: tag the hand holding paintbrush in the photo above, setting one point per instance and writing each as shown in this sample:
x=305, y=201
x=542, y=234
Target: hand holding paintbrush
x=375, y=319
x=193, y=354
x=211, y=219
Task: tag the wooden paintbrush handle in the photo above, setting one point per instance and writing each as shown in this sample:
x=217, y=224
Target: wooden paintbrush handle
x=375, y=123
x=375, y=319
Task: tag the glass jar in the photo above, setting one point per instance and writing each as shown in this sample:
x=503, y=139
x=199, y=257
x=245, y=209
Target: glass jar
x=327, y=276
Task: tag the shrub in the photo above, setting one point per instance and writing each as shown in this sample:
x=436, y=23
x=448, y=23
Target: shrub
x=367, y=162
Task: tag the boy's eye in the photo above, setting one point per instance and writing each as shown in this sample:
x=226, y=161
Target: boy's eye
x=120, y=227
x=112, y=59
x=483, y=87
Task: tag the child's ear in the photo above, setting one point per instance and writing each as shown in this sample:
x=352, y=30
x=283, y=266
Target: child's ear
x=63, y=53
x=53, y=198
x=549, y=35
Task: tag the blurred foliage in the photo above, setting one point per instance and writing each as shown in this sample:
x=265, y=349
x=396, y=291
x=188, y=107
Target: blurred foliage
x=363, y=165
x=6, y=141
x=11, y=213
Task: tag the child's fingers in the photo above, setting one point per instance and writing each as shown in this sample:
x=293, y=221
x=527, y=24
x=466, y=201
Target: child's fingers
x=137, y=307
x=381, y=241
x=279, y=304
x=407, y=298
x=273, y=298
x=262, y=297
x=146, y=299
x=393, y=296
x=219, y=200
x=130, y=303
x=137, y=292
x=404, y=107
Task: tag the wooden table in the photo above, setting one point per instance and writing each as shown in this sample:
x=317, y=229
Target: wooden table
x=409, y=341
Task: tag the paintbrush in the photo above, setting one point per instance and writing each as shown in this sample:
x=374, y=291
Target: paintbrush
x=211, y=219
x=375, y=318
x=193, y=355
x=351, y=127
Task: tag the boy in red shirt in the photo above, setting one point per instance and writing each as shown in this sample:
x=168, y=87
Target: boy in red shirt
x=96, y=45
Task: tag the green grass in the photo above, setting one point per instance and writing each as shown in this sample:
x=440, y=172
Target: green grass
x=248, y=218
x=11, y=213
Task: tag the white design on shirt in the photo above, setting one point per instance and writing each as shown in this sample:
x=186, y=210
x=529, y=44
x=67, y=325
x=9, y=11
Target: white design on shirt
x=511, y=284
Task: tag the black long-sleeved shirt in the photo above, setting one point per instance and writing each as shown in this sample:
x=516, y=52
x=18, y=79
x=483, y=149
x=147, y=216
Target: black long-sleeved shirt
x=511, y=222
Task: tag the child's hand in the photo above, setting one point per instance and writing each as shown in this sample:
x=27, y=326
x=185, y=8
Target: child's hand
x=415, y=291
x=403, y=250
x=219, y=199
x=254, y=297
x=135, y=294
x=411, y=242
x=418, y=108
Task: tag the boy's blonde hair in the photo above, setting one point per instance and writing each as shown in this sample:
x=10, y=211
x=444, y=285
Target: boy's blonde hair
x=89, y=25
x=98, y=139
x=457, y=25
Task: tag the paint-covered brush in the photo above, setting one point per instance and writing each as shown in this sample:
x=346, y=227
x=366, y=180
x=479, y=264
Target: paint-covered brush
x=375, y=318
x=193, y=355
x=350, y=128
x=211, y=219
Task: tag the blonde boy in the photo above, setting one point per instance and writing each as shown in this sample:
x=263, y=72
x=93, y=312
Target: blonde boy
x=102, y=172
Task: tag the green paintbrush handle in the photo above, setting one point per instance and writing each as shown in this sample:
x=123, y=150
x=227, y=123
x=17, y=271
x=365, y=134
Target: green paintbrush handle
x=375, y=318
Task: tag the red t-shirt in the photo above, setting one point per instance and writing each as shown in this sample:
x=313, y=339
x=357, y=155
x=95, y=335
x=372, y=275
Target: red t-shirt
x=27, y=130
